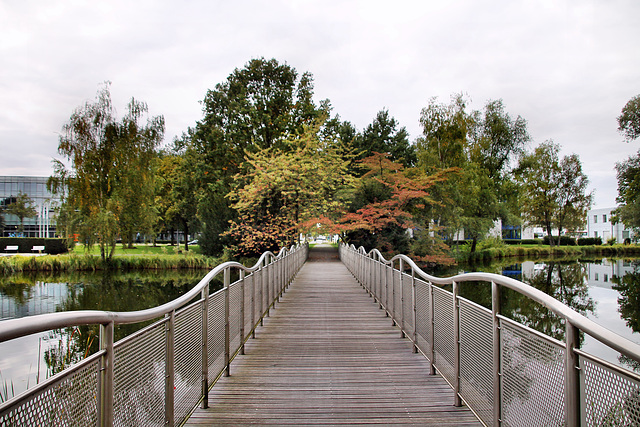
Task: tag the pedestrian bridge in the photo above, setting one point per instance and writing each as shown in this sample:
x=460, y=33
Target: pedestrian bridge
x=304, y=339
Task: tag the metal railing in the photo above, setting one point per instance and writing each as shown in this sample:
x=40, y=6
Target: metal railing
x=506, y=373
x=158, y=375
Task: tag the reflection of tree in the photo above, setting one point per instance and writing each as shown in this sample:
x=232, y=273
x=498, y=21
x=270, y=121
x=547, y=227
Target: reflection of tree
x=565, y=282
x=112, y=292
x=18, y=290
x=629, y=300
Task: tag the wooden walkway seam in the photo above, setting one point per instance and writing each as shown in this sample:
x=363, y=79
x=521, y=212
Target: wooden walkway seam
x=328, y=356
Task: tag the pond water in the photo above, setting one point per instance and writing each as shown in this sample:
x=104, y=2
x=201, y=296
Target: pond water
x=28, y=360
x=606, y=291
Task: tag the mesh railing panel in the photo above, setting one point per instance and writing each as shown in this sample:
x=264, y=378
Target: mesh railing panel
x=443, y=334
x=215, y=349
x=188, y=361
x=397, y=296
x=407, y=292
x=139, y=378
x=423, y=316
x=611, y=398
x=70, y=401
x=248, y=291
x=532, y=378
x=235, y=300
x=476, y=358
x=386, y=287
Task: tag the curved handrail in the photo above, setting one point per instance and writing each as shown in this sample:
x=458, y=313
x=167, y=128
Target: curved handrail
x=600, y=333
x=14, y=328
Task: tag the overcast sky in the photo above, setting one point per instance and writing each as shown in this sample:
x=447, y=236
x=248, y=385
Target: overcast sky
x=567, y=67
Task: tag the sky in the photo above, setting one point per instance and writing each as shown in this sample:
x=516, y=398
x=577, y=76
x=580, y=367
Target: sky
x=567, y=67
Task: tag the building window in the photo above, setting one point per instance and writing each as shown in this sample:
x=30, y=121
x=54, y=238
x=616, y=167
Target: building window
x=595, y=219
x=595, y=234
x=606, y=278
x=596, y=277
x=604, y=218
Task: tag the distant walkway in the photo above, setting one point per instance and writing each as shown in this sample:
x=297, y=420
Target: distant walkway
x=329, y=356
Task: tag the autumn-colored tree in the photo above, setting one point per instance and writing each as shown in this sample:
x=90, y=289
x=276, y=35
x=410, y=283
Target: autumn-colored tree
x=286, y=190
x=385, y=202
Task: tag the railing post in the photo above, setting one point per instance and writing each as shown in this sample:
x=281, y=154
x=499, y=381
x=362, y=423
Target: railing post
x=205, y=346
x=386, y=288
x=393, y=294
x=497, y=355
x=456, y=347
x=432, y=328
x=105, y=405
x=371, y=270
x=169, y=367
x=380, y=267
x=572, y=376
x=227, y=352
x=242, y=311
x=256, y=275
x=415, y=310
x=267, y=286
x=401, y=265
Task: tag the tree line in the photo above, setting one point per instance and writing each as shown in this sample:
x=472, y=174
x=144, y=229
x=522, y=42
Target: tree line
x=267, y=163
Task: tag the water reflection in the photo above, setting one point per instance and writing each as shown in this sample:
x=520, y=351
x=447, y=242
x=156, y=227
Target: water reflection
x=28, y=360
x=606, y=291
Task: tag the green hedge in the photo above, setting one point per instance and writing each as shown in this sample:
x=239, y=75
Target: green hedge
x=564, y=240
x=25, y=244
x=522, y=241
x=589, y=241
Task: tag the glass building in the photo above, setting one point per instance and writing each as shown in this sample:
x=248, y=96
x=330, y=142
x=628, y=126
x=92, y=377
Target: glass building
x=35, y=187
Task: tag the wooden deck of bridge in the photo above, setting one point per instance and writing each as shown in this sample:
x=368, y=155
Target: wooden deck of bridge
x=328, y=356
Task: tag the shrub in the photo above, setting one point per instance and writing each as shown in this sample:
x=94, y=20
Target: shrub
x=590, y=241
x=564, y=240
x=523, y=241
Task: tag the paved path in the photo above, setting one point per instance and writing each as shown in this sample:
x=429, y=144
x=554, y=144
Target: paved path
x=329, y=356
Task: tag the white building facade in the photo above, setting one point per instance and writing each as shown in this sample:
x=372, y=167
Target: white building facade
x=599, y=225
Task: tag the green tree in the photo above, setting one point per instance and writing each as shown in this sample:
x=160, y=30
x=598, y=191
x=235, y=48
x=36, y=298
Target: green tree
x=22, y=207
x=260, y=106
x=573, y=199
x=629, y=300
x=442, y=147
x=628, y=175
x=553, y=191
x=629, y=119
x=480, y=147
x=384, y=136
x=497, y=139
x=110, y=161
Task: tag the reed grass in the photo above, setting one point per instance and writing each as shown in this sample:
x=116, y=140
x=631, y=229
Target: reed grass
x=75, y=262
x=542, y=251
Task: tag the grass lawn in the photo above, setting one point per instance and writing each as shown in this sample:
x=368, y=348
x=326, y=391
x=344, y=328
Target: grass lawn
x=138, y=249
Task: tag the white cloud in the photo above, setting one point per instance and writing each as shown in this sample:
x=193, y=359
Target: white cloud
x=566, y=67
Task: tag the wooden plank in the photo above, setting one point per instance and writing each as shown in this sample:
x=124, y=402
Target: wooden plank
x=328, y=356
